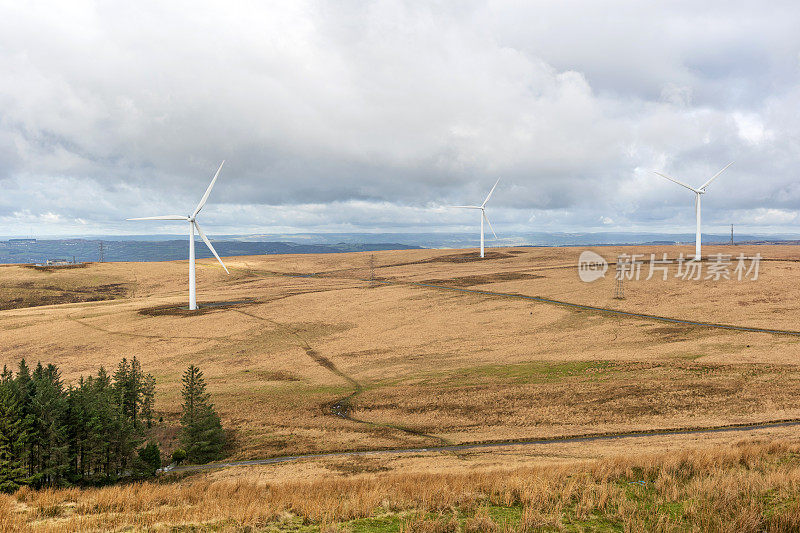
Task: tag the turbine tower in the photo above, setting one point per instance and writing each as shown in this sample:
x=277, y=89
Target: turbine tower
x=193, y=225
x=698, y=192
x=482, y=208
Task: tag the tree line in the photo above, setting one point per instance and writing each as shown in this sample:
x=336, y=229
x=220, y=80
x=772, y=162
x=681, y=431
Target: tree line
x=95, y=431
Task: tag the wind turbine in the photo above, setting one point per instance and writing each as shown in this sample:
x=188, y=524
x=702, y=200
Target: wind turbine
x=192, y=220
x=698, y=192
x=482, y=207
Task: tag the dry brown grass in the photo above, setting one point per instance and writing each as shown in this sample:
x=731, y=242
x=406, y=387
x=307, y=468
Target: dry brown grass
x=538, y=399
x=36, y=286
x=751, y=486
x=461, y=367
x=449, y=364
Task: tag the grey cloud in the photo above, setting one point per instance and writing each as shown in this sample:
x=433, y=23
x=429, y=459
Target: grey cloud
x=393, y=108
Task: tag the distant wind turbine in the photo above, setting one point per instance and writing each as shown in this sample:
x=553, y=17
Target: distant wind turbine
x=698, y=192
x=482, y=207
x=191, y=219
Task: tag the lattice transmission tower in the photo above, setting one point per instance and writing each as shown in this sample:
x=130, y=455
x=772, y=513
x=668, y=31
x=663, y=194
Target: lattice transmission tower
x=372, y=270
x=619, y=288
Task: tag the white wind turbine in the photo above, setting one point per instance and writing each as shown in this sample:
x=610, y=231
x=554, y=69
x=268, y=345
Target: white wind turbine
x=191, y=219
x=482, y=207
x=698, y=192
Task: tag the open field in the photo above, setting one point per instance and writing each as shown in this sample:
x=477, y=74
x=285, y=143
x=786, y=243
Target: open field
x=744, y=487
x=306, y=355
x=31, y=288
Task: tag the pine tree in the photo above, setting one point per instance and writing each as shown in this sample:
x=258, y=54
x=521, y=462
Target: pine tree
x=12, y=471
x=75, y=431
x=150, y=459
x=51, y=434
x=208, y=437
x=79, y=411
x=148, y=398
x=201, y=430
x=49, y=410
x=123, y=437
x=101, y=425
x=122, y=382
x=133, y=391
x=23, y=388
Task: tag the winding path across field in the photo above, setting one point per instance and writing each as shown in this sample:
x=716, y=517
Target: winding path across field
x=497, y=444
x=606, y=310
x=506, y=444
x=572, y=305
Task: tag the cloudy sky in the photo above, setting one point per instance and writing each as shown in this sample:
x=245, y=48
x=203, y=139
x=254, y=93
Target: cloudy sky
x=371, y=116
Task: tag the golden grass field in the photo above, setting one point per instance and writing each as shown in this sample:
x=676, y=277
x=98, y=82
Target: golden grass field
x=417, y=366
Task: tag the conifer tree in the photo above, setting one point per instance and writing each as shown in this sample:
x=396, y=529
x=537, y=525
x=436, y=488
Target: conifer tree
x=76, y=429
x=101, y=424
x=50, y=439
x=150, y=459
x=23, y=391
x=148, y=398
x=12, y=471
x=51, y=434
x=201, y=430
x=122, y=434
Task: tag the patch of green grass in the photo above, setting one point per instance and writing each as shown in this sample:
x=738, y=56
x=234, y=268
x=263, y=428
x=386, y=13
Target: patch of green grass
x=595, y=522
x=505, y=514
x=537, y=371
x=388, y=523
x=508, y=518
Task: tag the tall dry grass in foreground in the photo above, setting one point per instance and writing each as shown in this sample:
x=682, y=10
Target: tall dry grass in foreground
x=752, y=486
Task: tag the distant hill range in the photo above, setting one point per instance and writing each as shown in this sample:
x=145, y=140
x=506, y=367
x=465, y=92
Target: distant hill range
x=174, y=247
x=82, y=250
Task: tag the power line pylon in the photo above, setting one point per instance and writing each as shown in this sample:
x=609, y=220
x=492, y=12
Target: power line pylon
x=619, y=288
x=372, y=270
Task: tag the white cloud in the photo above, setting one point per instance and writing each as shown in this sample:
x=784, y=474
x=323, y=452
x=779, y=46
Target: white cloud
x=391, y=108
x=751, y=128
x=774, y=217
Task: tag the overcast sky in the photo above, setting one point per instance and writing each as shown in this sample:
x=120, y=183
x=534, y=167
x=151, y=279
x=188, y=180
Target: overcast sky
x=372, y=116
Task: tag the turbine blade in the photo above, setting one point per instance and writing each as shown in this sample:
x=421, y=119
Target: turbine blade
x=490, y=192
x=162, y=217
x=208, y=243
x=490, y=224
x=208, y=191
x=675, y=181
x=465, y=206
x=703, y=186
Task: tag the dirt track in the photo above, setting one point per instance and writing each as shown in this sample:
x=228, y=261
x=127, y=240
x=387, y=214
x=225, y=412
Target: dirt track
x=572, y=305
x=345, y=341
x=506, y=444
x=342, y=406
